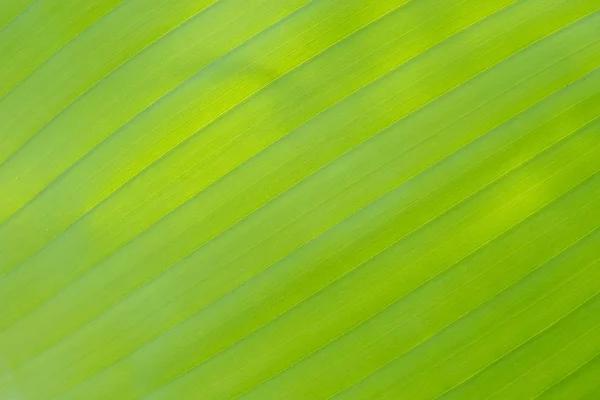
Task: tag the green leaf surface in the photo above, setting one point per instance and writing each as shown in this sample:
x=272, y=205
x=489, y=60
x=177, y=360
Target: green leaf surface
x=299, y=199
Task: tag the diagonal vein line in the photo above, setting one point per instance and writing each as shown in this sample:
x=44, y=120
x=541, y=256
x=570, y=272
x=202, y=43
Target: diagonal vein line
x=97, y=263
x=465, y=144
x=478, y=372
x=356, y=211
x=521, y=345
x=246, y=280
x=514, y=284
x=544, y=360
x=580, y=368
x=414, y=110
x=593, y=389
x=289, y=254
x=132, y=350
x=436, y=217
x=171, y=91
x=334, y=44
x=280, y=139
x=213, y=301
x=256, y=155
x=371, y=22
x=433, y=277
x=218, y=151
x=177, y=207
x=57, y=51
x=490, y=300
x=195, y=195
x=298, y=127
x=104, y=198
x=314, y=116
x=412, y=290
x=412, y=203
x=466, y=315
x=152, y=104
x=73, y=14
x=538, y=334
x=197, y=311
x=97, y=82
x=23, y=11
x=524, y=343
x=144, y=170
x=139, y=233
x=286, y=189
x=231, y=108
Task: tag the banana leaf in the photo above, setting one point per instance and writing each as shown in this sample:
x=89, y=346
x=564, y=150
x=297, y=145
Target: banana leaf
x=299, y=199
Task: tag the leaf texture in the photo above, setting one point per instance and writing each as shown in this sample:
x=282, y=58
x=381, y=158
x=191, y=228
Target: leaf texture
x=299, y=199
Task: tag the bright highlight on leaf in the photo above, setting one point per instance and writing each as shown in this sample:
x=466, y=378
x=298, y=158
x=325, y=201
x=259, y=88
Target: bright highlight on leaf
x=295, y=199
